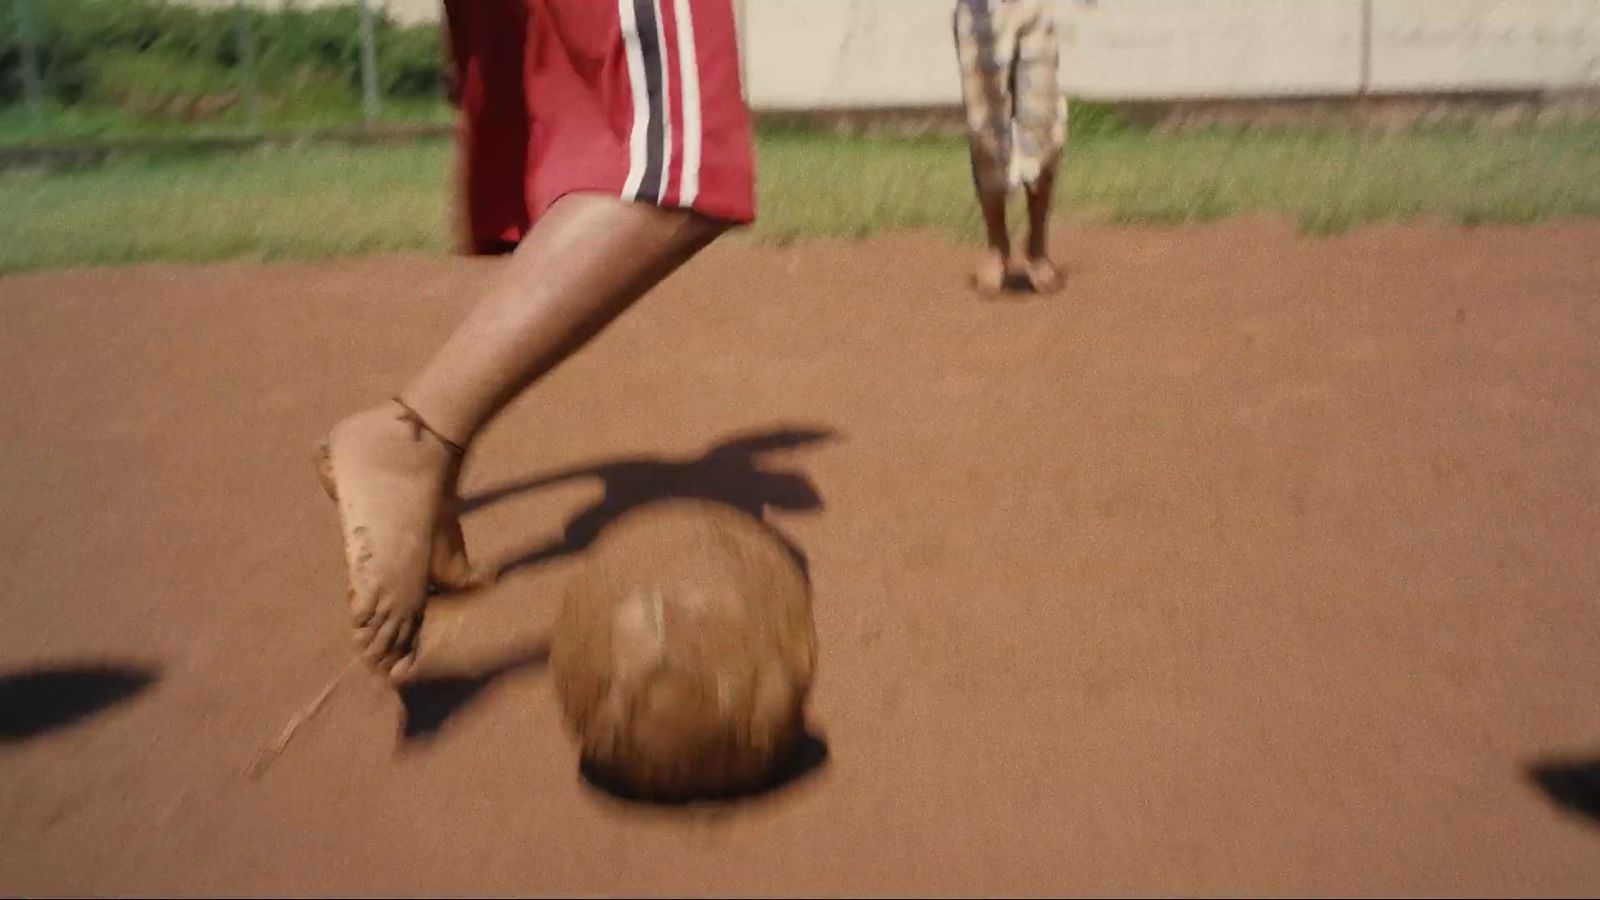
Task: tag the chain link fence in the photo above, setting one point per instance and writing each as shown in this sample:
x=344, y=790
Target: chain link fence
x=74, y=70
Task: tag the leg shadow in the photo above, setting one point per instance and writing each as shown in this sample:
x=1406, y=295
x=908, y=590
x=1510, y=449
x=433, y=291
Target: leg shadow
x=809, y=756
x=430, y=702
x=1573, y=786
x=735, y=473
x=35, y=701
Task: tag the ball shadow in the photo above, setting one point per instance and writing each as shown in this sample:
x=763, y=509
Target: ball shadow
x=809, y=756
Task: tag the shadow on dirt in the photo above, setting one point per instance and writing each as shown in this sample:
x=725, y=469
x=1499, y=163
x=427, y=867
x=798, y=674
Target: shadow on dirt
x=1572, y=786
x=38, y=700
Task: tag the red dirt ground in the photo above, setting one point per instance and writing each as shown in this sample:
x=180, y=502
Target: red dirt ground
x=1252, y=563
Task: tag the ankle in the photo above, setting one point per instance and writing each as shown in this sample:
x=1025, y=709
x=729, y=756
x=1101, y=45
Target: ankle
x=383, y=439
x=421, y=427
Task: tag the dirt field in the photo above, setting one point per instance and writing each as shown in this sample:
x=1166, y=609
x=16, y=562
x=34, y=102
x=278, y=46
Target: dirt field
x=1251, y=564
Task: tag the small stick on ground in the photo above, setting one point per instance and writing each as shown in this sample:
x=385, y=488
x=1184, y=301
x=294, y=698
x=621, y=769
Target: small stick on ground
x=270, y=753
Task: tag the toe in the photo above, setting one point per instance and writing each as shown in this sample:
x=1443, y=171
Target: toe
x=402, y=657
x=405, y=640
x=1044, y=277
x=403, y=668
x=382, y=642
x=479, y=577
x=459, y=576
x=363, y=605
x=325, y=470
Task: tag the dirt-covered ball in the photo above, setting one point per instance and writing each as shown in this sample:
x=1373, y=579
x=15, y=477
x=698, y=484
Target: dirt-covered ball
x=684, y=652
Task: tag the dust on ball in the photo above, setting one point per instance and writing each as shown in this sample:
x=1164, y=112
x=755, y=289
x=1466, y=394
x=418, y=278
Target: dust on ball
x=685, y=652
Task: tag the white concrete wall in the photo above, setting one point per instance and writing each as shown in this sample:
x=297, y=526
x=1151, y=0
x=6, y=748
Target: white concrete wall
x=840, y=54
x=1420, y=44
x=1135, y=49
x=850, y=53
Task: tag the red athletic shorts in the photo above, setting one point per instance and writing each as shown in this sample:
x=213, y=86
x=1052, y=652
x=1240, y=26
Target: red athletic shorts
x=639, y=99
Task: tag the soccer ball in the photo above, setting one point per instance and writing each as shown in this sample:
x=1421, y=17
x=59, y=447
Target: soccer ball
x=684, y=653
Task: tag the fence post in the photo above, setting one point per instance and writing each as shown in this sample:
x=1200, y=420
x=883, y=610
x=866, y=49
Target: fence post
x=247, y=62
x=1366, y=47
x=371, y=103
x=28, y=42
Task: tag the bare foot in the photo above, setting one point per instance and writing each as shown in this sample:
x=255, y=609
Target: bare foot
x=389, y=479
x=1043, y=276
x=450, y=571
x=990, y=276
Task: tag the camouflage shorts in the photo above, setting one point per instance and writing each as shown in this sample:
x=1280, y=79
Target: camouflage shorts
x=1016, y=110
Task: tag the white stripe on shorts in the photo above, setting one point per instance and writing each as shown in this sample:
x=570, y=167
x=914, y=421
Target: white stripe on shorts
x=689, y=76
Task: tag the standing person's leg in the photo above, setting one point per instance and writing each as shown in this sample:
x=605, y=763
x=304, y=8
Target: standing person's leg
x=985, y=59
x=1042, y=274
x=1041, y=111
x=619, y=214
x=995, y=265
